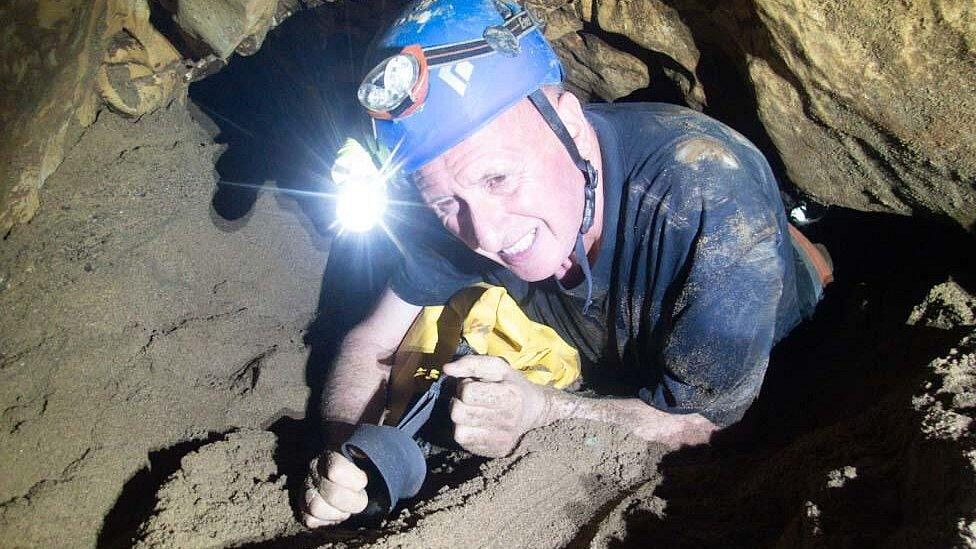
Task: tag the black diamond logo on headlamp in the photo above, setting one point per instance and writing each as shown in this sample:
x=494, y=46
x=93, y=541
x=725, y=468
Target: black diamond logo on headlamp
x=502, y=40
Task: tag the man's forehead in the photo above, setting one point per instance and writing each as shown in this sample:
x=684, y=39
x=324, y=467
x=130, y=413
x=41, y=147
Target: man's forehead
x=479, y=157
x=463, y=173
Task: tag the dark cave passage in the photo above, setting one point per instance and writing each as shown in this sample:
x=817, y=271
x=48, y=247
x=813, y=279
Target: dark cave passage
x=830, y=396
x=174, y=328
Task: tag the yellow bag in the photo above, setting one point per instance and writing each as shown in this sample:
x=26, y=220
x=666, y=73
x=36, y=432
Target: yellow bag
x=492, y=324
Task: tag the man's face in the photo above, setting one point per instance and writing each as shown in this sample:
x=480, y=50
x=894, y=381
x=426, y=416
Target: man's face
x=511, y=193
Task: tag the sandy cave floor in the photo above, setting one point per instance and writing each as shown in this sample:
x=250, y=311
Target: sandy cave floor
x=153, y=356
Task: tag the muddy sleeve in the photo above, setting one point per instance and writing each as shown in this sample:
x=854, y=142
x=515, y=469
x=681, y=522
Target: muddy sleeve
x=720, y=320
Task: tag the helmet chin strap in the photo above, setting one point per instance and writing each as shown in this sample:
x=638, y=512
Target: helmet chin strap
x=590, y=181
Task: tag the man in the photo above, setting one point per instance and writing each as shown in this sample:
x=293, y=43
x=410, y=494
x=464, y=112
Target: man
x=649, y=236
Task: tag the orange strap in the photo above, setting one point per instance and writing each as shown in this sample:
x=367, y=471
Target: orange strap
x=823, y=269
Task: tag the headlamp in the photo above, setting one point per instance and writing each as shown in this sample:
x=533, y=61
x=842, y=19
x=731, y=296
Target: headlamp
x=397, y=86
x=361, y=197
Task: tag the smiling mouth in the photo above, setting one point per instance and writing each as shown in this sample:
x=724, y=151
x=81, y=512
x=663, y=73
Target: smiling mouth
x=520, y=246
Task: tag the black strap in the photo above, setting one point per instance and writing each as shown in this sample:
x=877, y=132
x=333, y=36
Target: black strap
x=584, y=264
x=412, y=421
x=590, y=180
x=518, y=24
x=548, y=113
x=419, y=414
x=590, y=177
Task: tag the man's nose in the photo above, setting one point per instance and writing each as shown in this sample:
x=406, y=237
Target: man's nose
x=483, y=228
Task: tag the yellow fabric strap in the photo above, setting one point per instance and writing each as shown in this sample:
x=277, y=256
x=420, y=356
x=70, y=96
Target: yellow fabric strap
x=493, y=324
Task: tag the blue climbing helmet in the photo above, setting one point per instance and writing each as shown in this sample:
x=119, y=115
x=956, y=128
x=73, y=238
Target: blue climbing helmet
x=449, y=67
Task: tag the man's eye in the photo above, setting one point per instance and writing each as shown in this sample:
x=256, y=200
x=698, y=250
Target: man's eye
x=499, y=183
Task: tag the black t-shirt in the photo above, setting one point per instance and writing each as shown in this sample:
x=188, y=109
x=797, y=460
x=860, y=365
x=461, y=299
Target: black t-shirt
x=694, y=281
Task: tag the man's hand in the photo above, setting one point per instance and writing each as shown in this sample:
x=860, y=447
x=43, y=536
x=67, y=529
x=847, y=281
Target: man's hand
x=495, y=405
x=335, y=489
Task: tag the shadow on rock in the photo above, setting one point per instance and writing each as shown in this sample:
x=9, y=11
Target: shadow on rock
x=283, y=111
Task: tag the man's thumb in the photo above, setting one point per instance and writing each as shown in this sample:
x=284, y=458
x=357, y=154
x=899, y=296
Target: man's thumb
x=485, y=368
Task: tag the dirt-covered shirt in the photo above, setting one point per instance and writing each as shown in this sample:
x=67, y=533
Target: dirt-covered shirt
x=695, y=276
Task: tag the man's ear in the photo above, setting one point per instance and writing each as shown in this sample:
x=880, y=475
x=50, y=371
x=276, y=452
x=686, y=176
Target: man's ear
x=570, y=111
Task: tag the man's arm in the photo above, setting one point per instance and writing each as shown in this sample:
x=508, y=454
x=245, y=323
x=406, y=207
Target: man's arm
x=646, y=422
x=496, y=405
x=354, y=393
x=356, y=385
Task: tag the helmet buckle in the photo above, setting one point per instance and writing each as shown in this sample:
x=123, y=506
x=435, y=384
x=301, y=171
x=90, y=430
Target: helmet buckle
x=502, y=40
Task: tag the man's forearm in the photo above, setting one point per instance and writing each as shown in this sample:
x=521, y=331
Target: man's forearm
x=640, y=419
x=356, y=386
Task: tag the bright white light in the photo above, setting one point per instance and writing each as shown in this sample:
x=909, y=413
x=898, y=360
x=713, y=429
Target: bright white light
x=387, y=85
x=360, y=207
x=354, y=164
x=799, y=215
x=361, y=195
x=400, y=75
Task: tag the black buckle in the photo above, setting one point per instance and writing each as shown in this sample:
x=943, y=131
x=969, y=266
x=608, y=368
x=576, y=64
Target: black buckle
x=589, y=197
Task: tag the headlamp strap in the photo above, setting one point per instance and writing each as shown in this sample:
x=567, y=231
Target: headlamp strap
x=590, y=179
x=548, y=112
x=504, y=38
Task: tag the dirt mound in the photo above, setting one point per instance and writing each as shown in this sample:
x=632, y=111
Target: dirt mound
x=226, y=493
x=545, y=494
x=134, y=321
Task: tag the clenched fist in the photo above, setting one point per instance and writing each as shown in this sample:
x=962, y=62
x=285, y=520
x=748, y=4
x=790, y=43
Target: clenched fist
x=335, y=489
x=494, y=406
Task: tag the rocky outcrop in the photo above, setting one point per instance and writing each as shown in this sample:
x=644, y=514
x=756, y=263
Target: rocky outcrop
x=870, y=105
x=655, y=26
x=224, y=25
x=141, y=69
x=50, y=53
x=597, y=69
x=65, y=59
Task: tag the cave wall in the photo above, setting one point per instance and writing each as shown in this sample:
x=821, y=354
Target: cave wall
x=63, y=60
x=867, y=105
x=49, y=55
x=870, y=105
